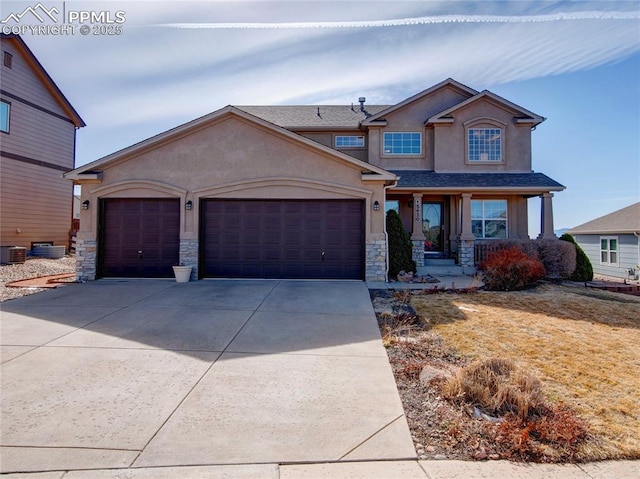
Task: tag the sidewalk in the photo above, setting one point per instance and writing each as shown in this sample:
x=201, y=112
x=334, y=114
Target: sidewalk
x=365, y=470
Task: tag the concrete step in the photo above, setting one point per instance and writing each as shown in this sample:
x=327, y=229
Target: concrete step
x=445, y=270
x=439, y=262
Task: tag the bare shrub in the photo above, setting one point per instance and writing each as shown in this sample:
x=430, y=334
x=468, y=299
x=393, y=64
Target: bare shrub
x=510, y=269
x=558, y=257
x=552, y=437
x=498, y=387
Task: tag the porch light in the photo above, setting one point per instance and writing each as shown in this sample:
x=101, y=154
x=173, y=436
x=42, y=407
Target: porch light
x=410, y=203
x=376, y=206
x=188, y=205
x=85, y=205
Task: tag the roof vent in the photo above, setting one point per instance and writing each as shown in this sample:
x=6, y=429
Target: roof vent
x=362, y=100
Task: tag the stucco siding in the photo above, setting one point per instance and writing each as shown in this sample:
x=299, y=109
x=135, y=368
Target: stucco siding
x=451, y=145
x=37, y=201
x=229, y=151
x=627, y=254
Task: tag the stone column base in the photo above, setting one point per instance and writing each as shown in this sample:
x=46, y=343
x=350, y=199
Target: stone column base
x=417, y=253
x=376, y=260
x=86, y=258
x=466, y=254
x=189, y=250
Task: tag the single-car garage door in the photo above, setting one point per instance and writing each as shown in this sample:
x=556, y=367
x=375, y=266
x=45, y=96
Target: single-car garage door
x=313, y=239
x=140, y=237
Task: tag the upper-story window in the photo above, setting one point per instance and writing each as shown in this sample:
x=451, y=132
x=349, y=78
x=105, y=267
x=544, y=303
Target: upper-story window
x=8, y=60
x=484, y=144
x=349, y=141
x=402, y=143
x=489, y=218
x=5, y=111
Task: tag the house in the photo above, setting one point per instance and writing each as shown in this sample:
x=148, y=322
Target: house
x=37, y=144
x=301, y=191
x=611, y=242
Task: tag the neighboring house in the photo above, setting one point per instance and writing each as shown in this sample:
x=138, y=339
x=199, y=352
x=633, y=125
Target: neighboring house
x=301, y=191
x=37, y=144
x=611, y=242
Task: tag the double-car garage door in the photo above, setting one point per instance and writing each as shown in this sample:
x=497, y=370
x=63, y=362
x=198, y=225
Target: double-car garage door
x=319, y=239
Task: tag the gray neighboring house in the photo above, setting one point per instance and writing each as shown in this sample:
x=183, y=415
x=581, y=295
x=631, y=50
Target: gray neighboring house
x=611, y=242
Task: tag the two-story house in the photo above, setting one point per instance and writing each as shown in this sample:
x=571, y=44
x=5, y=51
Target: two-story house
x=301, y=191
x=37, y=145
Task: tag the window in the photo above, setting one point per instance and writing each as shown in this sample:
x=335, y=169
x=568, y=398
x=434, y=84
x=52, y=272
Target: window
x=392, y=205
x=5, y=109
x=489, y=218
x=485, y=144
x=403, y=143
x=609, y=250
x=349, y=141
x=8, y=59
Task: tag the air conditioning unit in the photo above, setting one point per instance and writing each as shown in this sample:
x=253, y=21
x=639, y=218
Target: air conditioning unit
x=13, y=254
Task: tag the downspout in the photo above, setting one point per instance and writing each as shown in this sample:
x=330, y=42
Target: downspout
x=384, y=228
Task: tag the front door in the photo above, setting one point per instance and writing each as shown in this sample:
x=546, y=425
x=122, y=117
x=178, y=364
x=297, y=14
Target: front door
x=432, y=227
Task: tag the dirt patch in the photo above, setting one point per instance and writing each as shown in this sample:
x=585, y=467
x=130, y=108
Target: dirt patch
x=580, y=346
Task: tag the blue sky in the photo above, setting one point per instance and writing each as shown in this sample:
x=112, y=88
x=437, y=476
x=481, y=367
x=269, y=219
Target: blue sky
x=576, y=63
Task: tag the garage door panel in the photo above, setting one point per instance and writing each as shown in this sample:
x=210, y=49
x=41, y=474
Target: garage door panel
x=282, y=238
x=140, y=237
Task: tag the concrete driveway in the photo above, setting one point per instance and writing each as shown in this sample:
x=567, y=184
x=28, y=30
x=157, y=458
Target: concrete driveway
x=148, y=373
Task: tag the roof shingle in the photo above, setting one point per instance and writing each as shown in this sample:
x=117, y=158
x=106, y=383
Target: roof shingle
x=431, y=179
x=297, y=117
x=625, y=220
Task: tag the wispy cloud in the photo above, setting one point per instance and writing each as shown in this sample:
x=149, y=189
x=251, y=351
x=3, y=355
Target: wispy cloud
x=427, y=20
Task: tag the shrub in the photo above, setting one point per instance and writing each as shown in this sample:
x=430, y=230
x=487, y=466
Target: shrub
x=583, y=270
x=510, y=269
x=400, y=246
x=557, y=257
x=498, y=387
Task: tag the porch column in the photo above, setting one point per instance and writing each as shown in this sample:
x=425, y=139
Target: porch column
x=417, y=235
x=546, y=216
x=466, y=255
x=466, y=233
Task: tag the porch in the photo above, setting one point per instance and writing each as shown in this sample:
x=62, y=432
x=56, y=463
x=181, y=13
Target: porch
x=452, y=232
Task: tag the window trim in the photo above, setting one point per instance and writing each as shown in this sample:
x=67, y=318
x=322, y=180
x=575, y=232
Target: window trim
x=484, y=219
x=335, y=141
x=8, y=117
x=403, y=155
x=609, y=250
x=485, y=124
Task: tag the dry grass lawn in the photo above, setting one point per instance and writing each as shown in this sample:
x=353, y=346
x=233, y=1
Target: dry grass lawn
x=584, y=345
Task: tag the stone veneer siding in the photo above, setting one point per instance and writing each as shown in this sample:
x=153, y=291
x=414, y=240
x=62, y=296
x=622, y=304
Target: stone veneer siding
x=417, y=253
x=466, y=253
x=376, y=260
x=189, y=256
x=86, y=257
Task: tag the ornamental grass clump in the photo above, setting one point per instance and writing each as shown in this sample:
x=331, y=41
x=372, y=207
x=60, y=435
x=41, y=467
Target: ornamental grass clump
x=497, y=387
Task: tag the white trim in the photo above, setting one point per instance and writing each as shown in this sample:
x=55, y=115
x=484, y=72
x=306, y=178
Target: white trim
x=609, y=250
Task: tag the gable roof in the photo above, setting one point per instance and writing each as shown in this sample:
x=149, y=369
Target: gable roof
x=90, y=171
x=48, y=82
x=449, y=82
x=625, y=220
x=526, y=116
x=314, y=117
x=534, y=182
